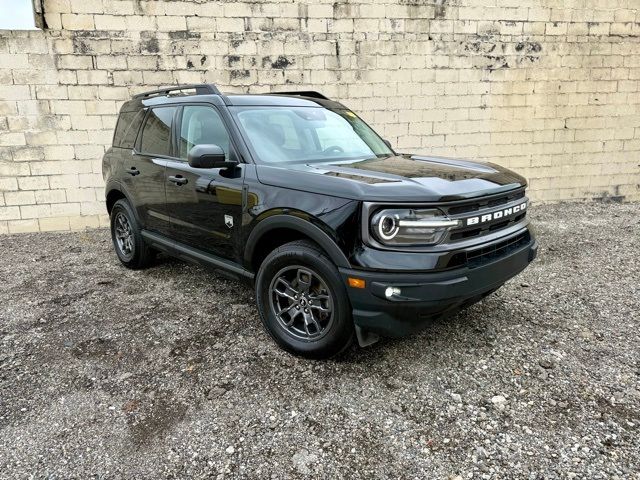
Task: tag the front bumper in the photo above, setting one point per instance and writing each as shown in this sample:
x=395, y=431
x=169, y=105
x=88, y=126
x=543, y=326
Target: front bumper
x=427, y=296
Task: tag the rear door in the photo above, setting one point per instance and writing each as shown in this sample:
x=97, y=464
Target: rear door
x=205, y=204
x=145, y=171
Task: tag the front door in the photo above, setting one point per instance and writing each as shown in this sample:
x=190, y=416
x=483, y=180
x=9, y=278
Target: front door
x=205, y=204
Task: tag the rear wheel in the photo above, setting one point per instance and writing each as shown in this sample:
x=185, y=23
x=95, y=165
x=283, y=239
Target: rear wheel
x=303, y=302
x=130, y=247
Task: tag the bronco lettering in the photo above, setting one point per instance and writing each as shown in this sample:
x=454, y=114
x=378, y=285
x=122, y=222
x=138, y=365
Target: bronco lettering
x=495, y=215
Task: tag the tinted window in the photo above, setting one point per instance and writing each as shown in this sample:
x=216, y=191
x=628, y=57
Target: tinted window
x=157, y=131
x=202, y=125
x=127, y=129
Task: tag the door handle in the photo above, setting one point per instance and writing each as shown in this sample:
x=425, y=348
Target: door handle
x=133, y=171
x=178, y=180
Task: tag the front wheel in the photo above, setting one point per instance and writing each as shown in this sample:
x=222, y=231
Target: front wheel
x=303, y=302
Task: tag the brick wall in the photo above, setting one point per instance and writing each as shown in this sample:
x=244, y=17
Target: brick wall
x=547, y=87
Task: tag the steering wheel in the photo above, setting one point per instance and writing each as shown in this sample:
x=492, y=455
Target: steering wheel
x=333, y=149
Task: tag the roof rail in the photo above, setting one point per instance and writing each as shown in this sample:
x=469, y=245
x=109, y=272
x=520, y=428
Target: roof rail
x=303, y=93
x=200, y=88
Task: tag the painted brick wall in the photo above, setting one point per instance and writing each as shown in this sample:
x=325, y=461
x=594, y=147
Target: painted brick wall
x=547, y=87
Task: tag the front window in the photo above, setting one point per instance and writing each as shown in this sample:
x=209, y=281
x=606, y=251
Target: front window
x=308, y=134
x=202, y=125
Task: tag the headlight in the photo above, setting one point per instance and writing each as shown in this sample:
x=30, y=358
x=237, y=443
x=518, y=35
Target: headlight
x=409, y=226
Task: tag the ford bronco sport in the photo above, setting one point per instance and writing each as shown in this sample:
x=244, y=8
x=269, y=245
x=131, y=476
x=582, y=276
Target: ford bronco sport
x=341, y=236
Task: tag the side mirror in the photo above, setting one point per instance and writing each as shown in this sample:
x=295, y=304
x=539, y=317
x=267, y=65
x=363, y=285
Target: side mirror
x=208, y=156
x=387, y=143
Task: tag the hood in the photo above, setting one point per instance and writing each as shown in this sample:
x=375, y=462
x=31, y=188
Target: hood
x=396, y=178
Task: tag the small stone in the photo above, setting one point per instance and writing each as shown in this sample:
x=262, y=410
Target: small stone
x=482, y=453
x=216, y=392
x=545, y=363
x=456, y=397
x=230, y=450
x=498, y=400
x=302, y=459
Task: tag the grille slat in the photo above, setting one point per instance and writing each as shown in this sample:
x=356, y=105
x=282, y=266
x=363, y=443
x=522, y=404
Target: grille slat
x=481, y=256
x=480, y=204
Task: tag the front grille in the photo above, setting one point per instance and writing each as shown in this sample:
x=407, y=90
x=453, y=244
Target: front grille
x=484, y=203
x=481, y=256
x=484, y=206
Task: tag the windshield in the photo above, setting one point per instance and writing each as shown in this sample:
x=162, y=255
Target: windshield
x=307, y=134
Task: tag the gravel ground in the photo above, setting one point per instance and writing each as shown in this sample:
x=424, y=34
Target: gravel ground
x=167, y=373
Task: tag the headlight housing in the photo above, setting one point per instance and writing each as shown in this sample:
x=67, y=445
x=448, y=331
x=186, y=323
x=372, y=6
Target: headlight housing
x=409, y=226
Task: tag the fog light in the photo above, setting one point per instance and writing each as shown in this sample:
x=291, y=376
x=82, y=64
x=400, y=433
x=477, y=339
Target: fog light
x=391, y=291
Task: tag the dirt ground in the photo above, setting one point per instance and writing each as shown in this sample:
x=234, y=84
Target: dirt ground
x=167, y=373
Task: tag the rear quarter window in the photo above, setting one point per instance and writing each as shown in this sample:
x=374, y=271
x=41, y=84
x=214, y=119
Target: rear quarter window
x=127, y=129
x=156, y=132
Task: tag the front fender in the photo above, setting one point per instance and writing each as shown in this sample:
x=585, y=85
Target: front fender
x=304, y=226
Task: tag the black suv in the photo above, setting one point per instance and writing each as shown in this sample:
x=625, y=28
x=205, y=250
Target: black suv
x=341, y=236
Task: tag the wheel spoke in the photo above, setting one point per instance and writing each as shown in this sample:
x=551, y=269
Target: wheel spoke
x=287, y=309
x=288, y=287
x=292, y=317
x=319, y=296
x=320, y=308
x=304, y=278
x=306, y=324
x=315, y=323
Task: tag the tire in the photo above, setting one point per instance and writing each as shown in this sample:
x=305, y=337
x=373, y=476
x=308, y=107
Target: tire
x=301, y=268
x=128, y=243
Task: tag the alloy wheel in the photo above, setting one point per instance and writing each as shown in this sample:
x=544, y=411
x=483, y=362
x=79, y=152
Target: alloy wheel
x=124, y=235
x=301, y=302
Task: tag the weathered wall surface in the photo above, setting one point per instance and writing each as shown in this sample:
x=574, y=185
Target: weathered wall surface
x=547, y=87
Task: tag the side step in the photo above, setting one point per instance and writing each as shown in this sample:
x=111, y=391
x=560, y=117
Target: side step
x=194, y=255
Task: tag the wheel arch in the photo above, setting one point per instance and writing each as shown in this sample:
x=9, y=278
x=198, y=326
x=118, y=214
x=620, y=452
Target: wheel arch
x=116, y=191
x=276, y=230
x=112, y=197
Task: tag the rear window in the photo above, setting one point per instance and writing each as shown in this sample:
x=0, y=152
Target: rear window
x=156, y=132
x=127, y=129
